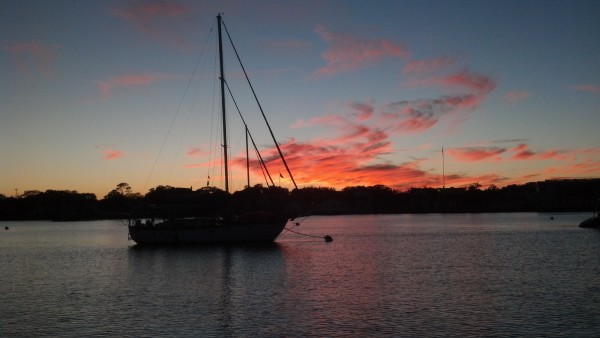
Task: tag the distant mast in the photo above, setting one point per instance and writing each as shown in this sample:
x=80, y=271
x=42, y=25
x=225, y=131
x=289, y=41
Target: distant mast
x=443, y=169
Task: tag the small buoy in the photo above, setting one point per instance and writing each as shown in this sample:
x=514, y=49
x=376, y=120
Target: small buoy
x=551, y=217
x=328, y=238
x=5, y=228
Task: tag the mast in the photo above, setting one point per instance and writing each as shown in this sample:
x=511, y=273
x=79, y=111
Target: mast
x=225, y=159
x=443, y=169
x=247, y=159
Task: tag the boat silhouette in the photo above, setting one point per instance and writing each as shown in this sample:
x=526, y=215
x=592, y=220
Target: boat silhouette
x=252, y=226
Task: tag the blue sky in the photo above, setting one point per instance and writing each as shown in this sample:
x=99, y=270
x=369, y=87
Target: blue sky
x=358, y=93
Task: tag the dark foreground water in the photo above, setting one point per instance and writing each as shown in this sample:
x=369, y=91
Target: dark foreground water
x=392, y=275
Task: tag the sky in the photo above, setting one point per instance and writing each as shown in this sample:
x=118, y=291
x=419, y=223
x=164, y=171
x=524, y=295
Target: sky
x=400, y=93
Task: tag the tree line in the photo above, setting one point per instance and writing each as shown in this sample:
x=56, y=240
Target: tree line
x=167, y=201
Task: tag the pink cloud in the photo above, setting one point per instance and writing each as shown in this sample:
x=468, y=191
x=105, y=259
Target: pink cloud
x=348, y=53
x=516, y=96
x=426, y=112
x=475, y=154
x=423, y=66
x=465, y=79
x=337, y=165
x=411, y=116
x=350, y=153
x=363, y=110
x=586, y=168
x=588, y=88
x=196, y=152
x=106, y=87
x=108, y=152
x=485, y=180
x=418, y=115
x=155, y=19
x=112, y=154
x=33, y=55
x=353, y=157
x=522, y=152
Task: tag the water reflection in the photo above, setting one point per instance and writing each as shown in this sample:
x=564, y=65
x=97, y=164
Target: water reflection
x=224, y=286
x=391, y=275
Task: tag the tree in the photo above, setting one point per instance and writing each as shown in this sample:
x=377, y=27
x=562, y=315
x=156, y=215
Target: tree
x=121, y=199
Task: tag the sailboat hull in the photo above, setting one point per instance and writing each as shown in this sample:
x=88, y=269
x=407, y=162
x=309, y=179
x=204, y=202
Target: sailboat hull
x=198, y=231
x=592, y=222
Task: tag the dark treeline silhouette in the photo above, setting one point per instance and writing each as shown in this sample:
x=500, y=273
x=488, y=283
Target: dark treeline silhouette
x=166, y=201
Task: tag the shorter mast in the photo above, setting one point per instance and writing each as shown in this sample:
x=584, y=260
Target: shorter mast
x=247, y=159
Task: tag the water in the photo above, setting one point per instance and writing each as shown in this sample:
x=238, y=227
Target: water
x=389, y=275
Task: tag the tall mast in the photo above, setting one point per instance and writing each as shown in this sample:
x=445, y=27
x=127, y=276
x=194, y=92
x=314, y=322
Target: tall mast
x=225, y=159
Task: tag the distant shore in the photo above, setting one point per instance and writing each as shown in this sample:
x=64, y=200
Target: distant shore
x=165, y=202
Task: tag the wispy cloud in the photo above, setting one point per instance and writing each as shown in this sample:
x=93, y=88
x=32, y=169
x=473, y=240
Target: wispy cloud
x=107, y=86
x=430, y=65
x=520, y=152
x=156, y=19
x=356, y=156
x=196, y=152
x=523, y=152
x=30, y=56
x=338, y=165
x=316, y=164
x=418, y=115
x=584, y=168
x=463, y=80
x=364, y=111
x=348, y=53
x=109, y=152
x=112, y=154
x=588, y=88
x=474, y=154
x=354, y=153
x=516, y=96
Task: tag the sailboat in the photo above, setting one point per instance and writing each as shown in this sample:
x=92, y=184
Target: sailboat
x=594, y=221
x=255, y=226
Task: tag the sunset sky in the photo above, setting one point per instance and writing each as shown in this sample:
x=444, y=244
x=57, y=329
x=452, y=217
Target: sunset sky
x=95, y=93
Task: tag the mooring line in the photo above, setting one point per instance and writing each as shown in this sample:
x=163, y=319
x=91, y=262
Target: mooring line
x=327, y=238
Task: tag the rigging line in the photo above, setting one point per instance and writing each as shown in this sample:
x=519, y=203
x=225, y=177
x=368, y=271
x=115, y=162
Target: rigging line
x=260, y=108
x=176, y=113
x=194, y=100
x=262, y=170
x=249, y=133
x=299, y=233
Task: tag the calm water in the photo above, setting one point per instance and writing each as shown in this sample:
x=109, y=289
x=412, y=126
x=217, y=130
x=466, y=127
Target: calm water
x=392, y=275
